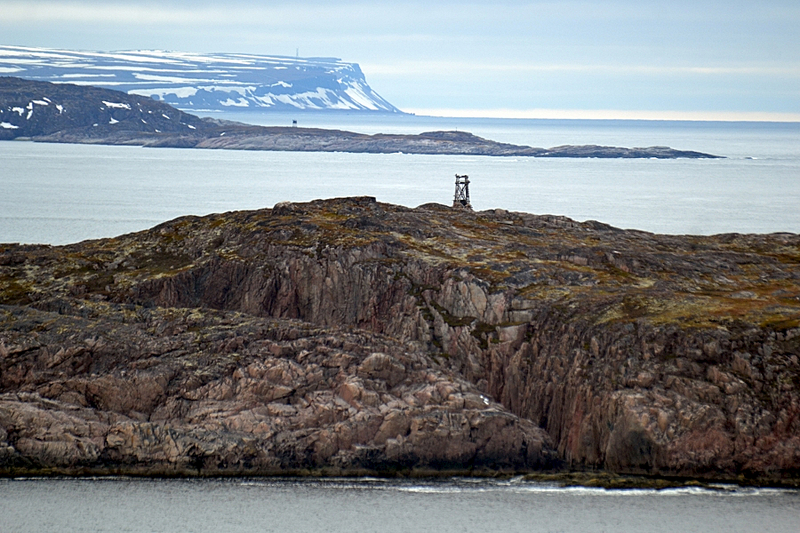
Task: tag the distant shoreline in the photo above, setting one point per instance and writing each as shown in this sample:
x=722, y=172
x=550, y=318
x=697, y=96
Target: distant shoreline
x=64, y=113
x=239, y=114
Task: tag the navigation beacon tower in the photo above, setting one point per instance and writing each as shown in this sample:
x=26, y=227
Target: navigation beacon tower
x=461, y=198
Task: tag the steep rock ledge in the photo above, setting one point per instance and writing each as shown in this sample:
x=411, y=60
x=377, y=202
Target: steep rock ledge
x=637, y=353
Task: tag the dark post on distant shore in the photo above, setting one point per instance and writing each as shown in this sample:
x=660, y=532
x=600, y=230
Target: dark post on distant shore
x=461, y=198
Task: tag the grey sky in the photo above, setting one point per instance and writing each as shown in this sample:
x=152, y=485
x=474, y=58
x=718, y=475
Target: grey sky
x=696, y=59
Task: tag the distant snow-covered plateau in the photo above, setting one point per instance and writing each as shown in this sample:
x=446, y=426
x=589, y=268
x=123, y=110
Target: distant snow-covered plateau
x=205, y=82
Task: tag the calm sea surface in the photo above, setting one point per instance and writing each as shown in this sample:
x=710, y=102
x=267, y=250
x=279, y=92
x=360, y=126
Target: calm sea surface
x=366, y=505
x=56, y=193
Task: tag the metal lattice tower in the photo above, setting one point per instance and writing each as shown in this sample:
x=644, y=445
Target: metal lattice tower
x=461, y=198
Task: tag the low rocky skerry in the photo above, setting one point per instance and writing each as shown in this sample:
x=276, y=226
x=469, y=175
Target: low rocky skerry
x=351, y=336
x=65, y=113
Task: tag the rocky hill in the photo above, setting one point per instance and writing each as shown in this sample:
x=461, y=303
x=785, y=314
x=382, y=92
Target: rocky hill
x=30, y=109
x=48, y=112
x=350, y=336
x=205, y=82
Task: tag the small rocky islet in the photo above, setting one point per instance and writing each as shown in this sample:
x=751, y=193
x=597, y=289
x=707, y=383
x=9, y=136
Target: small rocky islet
x=349, y=336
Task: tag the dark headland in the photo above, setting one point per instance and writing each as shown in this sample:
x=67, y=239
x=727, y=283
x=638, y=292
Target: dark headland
x=348, y=336
x=47, y=112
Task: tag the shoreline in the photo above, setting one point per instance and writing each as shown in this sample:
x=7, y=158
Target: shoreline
x=584, y=478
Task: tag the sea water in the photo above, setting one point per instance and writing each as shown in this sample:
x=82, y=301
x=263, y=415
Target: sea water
x=57, y=193
x=386, y=506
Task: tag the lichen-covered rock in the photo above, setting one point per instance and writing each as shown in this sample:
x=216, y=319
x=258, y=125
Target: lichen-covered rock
x=636, y=353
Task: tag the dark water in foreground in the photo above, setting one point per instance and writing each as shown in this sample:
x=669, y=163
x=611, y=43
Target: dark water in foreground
x=337, y=505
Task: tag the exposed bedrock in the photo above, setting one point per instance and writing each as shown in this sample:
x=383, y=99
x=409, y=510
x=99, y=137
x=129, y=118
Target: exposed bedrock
x=636, y=353
x=186, y=392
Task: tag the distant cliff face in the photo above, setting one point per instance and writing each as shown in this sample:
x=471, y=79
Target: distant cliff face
x=635, y=353
x=205, y=82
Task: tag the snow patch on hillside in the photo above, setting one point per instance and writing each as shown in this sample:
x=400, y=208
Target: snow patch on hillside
x=116, y=105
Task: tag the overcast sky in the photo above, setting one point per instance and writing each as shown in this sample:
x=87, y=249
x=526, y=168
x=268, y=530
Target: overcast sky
x=640, y=59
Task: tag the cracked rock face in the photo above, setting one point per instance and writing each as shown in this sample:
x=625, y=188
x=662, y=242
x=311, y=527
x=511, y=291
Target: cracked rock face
x=192, y=391
x=357, y=336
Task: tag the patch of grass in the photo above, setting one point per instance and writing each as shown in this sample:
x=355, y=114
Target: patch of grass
x=634, y=306
x=14, y=292
x=491, y=276
x=484, y=333
x=780, y=323
x=429, y=247
x=617, y=273
x=334, y=216
x=162, y=261
x=99, y=283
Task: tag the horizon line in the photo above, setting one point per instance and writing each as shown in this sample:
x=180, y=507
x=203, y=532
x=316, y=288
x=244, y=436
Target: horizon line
x=608, y=114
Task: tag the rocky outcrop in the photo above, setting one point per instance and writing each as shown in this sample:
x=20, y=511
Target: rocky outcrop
x=30, y=109
x=635, y=353
x=114, y=389
x=66, y=113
